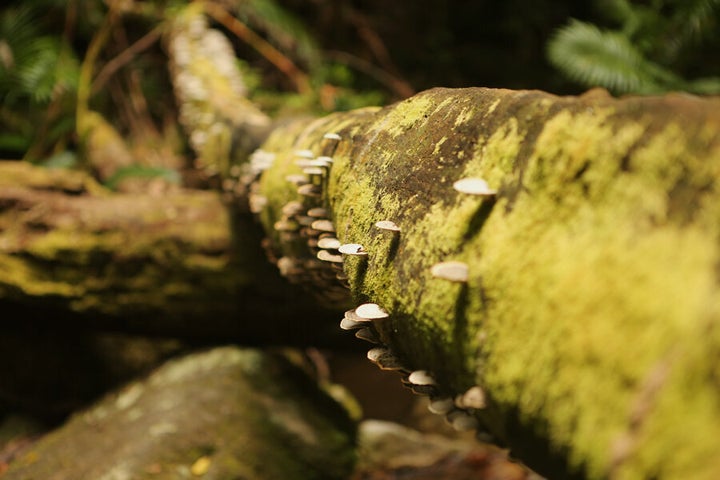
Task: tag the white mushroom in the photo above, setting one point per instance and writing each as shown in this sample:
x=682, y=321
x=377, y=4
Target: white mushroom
x=463, y=422
x=441, y=406
x=387, y=225
x=323, y=225
x=368, y=335
x=309, y=190
x=474, y=186
x=332, y=136
x=388, y=361
x=421, y=377
x=318, y=212
x=297, y=179
x=313, y=171
x=304, y=154
x=326, y=256
x=304, y=220
x=473, y=398
x=292, y=208
x=288, y=266
x=371, y=311
x=257, y=202
x=375, y=353
x=285, y=226
x=453, y=271
x=329, y=243
x=350, y=324
x=352, y=249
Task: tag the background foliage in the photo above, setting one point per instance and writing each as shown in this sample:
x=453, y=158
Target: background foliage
x=345, y=54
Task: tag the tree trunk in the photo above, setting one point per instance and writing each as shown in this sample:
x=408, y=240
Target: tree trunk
x=588, y=315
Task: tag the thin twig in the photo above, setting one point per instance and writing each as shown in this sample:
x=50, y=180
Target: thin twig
x=125, y=57
x=273, y=55
x=397, y=85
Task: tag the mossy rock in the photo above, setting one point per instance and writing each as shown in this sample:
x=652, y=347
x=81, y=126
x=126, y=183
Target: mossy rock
x=226, y=413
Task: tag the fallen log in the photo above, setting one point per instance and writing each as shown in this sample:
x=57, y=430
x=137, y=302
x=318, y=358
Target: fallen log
x=550, y=267
x=74, y=255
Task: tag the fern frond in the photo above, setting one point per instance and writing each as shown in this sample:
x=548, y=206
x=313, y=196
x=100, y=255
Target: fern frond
x=594, y=57
x=33, y=65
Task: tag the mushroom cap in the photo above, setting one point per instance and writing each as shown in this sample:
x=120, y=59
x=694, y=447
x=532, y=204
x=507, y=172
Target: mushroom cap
x=292, y=208
x=313, y=171
x=473, y=398
x=323, y=225
x=318, y=212
x=324, y=160
x=390, y=362
x=304, y=153
x=464, y=422
x=288, y=266
x=304, y=220
x=368, y=335
x=375, y=353
x=453, y=271
x=309, y=190
x=350, y=324
x=326, y=256
x=329, y=243
x=352, y=249
x=371, y=311
x=421, y=377
x=297, y=179
x=286, y=226
x=261, y=160
x=474, y=186
x=441, y=406
x=387, y=225
x=332, y=136
x=257, y=202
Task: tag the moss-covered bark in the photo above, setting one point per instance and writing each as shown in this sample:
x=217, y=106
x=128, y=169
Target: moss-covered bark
x=590, y=314
x=182, y=263
x=222, y=125
x=221, y=414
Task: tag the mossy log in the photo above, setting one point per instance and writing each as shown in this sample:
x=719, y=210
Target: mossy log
x=589, y=316
x=182, y=263
x=220, y=414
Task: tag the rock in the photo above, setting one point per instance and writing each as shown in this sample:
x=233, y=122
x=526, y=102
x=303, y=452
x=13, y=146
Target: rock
x=222, y=413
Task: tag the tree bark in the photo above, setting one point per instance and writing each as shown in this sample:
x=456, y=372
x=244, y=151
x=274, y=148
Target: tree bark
x=589, y=316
